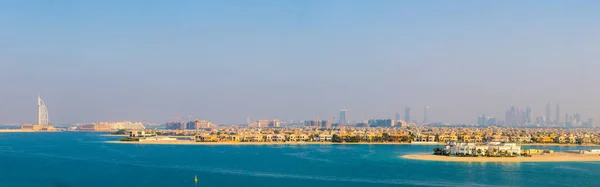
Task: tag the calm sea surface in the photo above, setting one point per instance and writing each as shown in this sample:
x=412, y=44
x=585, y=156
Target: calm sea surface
x=83, y=159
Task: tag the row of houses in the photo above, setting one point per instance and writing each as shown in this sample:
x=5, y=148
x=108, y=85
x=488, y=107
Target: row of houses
x=383, y=134
x=482, y=149
x=258, y=138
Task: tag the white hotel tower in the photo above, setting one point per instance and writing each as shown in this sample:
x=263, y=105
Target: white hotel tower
x=42, y=112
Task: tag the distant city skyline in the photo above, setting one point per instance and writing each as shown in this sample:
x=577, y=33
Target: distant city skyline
x=223, y=61
x=513, y=117
x=516, y=116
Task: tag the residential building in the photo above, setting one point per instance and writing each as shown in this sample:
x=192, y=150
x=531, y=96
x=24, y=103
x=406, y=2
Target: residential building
x=265, y=123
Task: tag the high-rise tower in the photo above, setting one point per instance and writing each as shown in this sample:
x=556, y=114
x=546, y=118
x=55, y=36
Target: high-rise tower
x=407, y=115
x=548, y=117
x=343, y=120
x=557, y=117
x=528, y=115
x=42, y=112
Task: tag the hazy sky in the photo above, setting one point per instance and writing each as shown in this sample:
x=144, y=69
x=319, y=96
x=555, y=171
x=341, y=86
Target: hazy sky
x=223, y=61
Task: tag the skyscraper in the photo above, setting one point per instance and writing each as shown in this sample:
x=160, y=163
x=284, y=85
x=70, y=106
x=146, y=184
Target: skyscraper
x=557, y=117
x=397, y=116
x=482, y=120
x=567, y=118
x=548, y=117
x=577, y=118
x=508, y=118
x=513, y=116
x=343, y=120
x=425, y=120
x=528, y=115
x=42, y=112
x=407, y=114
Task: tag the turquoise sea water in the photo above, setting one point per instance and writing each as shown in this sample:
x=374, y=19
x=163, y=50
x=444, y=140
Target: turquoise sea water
x=83, y=159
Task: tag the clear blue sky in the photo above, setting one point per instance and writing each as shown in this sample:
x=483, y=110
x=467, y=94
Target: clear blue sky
x=103, y=60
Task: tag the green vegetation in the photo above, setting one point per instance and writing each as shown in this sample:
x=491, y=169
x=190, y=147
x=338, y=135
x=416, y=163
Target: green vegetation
x=438, y=151
x=352, y=139
x=336, y=138
x=130, y=139
x=119, y=132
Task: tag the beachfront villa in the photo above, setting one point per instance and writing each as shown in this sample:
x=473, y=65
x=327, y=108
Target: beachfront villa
x=590, y=151
x=455, y=148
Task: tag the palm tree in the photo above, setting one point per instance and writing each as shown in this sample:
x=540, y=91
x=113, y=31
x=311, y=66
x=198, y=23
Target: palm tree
x=479, y=151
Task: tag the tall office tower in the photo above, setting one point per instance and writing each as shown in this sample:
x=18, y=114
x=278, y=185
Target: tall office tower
x=548, y=117
x=508, y=118
x=577, y=118
x=521, y=116
x=407, y=115
x=491, y=121
x=557, y=117
x=343, y=120
x=514, y=116
x=590, y=123
x=528, y=115
x=482, y=120
x=397, y=116
x=425, y=120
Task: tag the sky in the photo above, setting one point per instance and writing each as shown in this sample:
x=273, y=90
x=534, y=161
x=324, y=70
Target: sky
x=225, y=61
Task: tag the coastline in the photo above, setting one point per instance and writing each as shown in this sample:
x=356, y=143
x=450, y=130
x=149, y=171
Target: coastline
x=559, y=145
x=115, y=135
x=553, y=157
x=182, y=142
x=20, y=131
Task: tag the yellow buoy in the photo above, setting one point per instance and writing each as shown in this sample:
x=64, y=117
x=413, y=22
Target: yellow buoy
x=195, y=179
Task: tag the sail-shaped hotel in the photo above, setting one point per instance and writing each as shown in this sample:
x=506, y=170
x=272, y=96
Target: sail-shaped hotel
x=42, y=112
x=43, y=123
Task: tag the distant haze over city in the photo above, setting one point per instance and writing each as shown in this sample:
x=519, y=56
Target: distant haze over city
x=226, y=61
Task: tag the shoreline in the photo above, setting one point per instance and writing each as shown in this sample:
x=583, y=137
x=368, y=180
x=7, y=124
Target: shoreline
x=182, y=142
x=115, y=135
x=185, y=142
x=559, y=145
x=20, y=131
x=553, y=157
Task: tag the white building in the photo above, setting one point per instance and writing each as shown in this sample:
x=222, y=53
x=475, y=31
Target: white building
x=323, y=138
x=158, y=138
x=455, y=148
x=42, y=112
x=590, y=151
x=127, y=125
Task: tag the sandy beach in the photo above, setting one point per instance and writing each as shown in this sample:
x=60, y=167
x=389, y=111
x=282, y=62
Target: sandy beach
x=19, y=130
x=183, y=142
x=554, y=157
x=115, y=135
x=11, y=130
